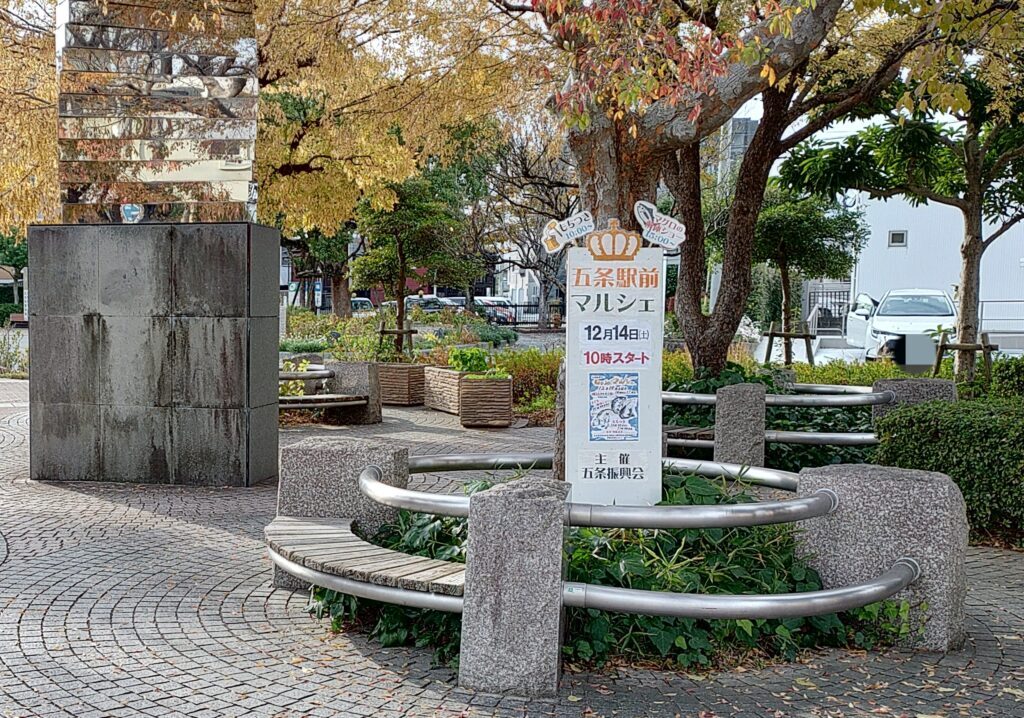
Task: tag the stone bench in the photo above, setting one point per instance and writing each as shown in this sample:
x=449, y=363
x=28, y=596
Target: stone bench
x=330, y=546
x=351, y=392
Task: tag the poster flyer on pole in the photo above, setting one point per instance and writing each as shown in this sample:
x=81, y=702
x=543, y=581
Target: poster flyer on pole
x=615, y=313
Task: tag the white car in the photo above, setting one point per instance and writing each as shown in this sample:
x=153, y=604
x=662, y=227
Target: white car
x=874, y=324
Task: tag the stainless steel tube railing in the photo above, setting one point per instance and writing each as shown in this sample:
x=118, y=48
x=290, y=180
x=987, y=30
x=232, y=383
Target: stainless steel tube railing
x=822, y=438
x=715, y=516
x=492, y=462
x=871, y=398
x=786, y=605
x=305, y=375
x=422, y=501
x=772, y=478
x=649, y=517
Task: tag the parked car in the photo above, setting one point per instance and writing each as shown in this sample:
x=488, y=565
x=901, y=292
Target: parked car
x=497, y=310
x=874, y=324
x=458, y=304
x=428, y=303
x=362, y=307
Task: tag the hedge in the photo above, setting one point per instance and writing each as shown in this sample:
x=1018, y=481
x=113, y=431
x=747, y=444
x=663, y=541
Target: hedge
x=6, y=310
x=979, y=444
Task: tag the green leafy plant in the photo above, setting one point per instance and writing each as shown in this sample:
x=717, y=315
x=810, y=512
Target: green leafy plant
x=495, y=335
x=293, y=387
x=6, y=310
x=760, y=559
x=495, y=373
x=469, y=360
x=1008, y=377
x=848, y=373
x=977, y=443
x=303, y=346
x=534, y=371
x=13, y=359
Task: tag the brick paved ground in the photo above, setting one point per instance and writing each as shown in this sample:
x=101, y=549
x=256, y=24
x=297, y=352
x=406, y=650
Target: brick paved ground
x=148, y=601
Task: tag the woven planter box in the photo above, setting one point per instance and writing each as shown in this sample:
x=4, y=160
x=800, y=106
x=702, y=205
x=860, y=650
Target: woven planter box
x=441, y=389
x=401, y=384
x=486, y=402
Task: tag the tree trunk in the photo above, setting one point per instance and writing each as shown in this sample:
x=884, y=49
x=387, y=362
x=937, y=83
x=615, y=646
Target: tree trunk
x=341, y=295
x=542, y=300
x=970, y=284
x=708, y=336
x=787, y=319
x=15, y=277
x=615, y=171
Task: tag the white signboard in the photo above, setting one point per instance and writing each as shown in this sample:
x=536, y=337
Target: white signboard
x=558, y=234
x=659, y=228
x=616, y=311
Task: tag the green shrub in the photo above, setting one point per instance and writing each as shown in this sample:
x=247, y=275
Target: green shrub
x=6, y=310
x=979, y=444
x=471, y=360
x=788, y=457
x=676, y=369
x=848, y=373
x=533, y=371
x=303, y=346
x=539, y=403
x=761, y=559
x=495, y=335
x=1008, y=377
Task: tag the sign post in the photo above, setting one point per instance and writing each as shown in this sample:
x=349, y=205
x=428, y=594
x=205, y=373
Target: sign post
x=616, y=313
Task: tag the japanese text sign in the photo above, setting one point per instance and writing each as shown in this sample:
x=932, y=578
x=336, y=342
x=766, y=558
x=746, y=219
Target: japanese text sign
x=615, y=319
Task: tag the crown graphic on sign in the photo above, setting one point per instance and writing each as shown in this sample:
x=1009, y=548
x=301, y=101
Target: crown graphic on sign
x=613, y=244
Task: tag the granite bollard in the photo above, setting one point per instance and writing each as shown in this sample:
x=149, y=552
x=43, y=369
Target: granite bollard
x=357, y=379
x=512, y=611
x=912, y=391
x=885, y=514
x=739, y=424
x=320, y=479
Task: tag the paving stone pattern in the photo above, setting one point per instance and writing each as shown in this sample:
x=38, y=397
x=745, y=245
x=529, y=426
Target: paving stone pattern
x=121, y=600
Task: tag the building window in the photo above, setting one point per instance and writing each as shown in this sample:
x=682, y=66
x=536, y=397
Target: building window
x=897, y=238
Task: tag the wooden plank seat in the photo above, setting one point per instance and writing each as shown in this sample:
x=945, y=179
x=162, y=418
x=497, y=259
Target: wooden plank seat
x=330, y=546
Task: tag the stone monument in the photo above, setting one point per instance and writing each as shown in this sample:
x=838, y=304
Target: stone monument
x=153, y=324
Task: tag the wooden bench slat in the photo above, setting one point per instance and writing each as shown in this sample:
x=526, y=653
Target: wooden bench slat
x=330, y=546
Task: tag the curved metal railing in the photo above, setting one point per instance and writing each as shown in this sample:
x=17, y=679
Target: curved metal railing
x=759, y=513
x=759, y=475
x=752, y=606
x=811, y=438
x=627, y=600
x=815, y=398
x=466, y=462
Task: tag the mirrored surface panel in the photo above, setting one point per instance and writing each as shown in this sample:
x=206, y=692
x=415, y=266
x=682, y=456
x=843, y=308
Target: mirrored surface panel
x=157, y=110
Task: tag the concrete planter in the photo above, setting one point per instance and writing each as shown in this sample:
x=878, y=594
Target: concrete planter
x=485, y=402
x=441, y=390
x=401, y=384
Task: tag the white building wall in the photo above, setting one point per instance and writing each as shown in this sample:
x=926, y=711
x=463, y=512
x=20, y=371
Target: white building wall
x=931, y=258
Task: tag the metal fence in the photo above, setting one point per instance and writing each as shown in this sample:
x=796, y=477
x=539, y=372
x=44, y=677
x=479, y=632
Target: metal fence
x=828, y=308
x=524, y=315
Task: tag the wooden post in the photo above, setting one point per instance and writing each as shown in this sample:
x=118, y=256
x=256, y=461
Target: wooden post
x=771, y=342
x=807, y=344
x=939, y=351
x=986, y=354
